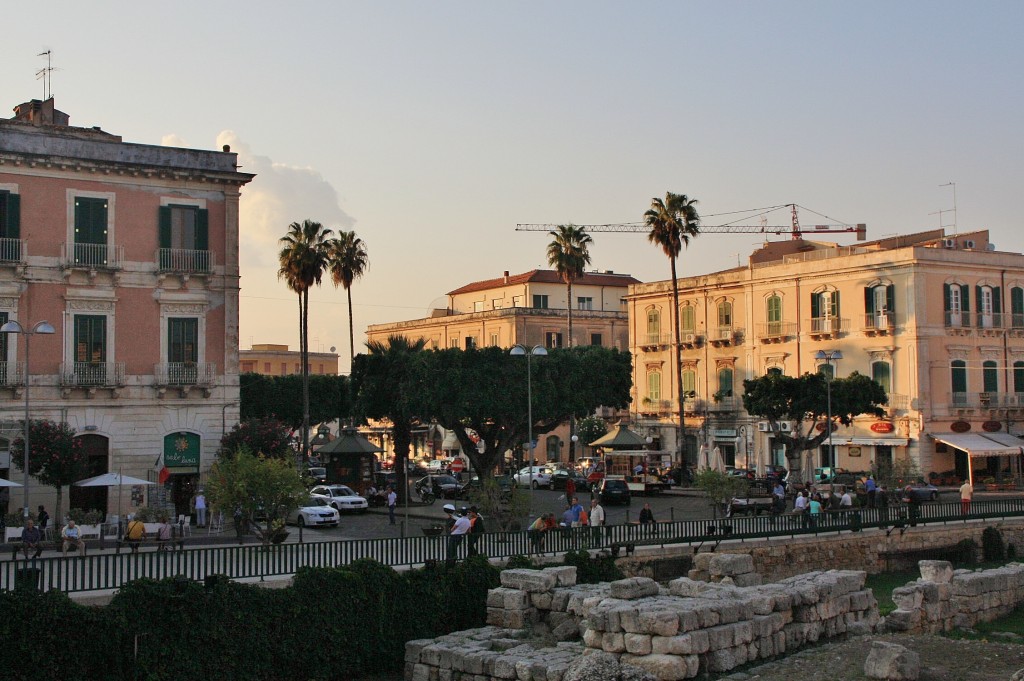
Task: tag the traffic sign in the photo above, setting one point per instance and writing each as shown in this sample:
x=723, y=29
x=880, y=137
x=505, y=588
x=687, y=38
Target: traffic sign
x=457, y=466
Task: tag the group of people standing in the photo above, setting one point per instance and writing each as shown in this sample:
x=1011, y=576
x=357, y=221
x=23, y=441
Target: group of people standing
x=466, y=523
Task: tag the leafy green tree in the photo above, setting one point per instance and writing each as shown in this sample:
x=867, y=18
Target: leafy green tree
x=590, y=429
x=281, y=397
x=673, y=222
x=804, y=401
x=348, y=261
x=720, y=487
x=569, y=254
x=265, y=435
x=303, y=259
x=265, y=490
x=56, y=457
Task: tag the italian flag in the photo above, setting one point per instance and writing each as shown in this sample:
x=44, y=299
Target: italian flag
x=163, y=473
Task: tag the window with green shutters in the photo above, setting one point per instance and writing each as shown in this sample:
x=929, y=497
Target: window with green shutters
x=990, y=377
x=184, y=239
x=90, y=349
x=90, y=246
x=654, y=386
x=725, y=315
x=653, y=326
x=724, y=382
x=1017, y=307
x=825, y=309
x=957, y=305
x=689, y=383
x=10, y=227
x=687, y=319
x=5, y=374
x=958, y=381
x=1018, y=379
x=827, y=370
x=182, y=350
x=881, y=374
x=774, y=312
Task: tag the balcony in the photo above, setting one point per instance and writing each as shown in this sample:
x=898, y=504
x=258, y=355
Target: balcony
x=12, y=251
x=879, y=323
x=657, y=407
x=91, y=257
x=897, y=401
x=964, y=403
x=92, y=374
x=652, y=341
x=725, y=336
x=988, y=323
x=184, y=261
x=725, y=404
x=1016, y=324
x=689, y=340
x=776, y=332
x=178, y=374
x=12, y=374
x=827, y=328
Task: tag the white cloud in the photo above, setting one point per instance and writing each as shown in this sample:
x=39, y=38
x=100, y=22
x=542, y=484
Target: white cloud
x=173, y=140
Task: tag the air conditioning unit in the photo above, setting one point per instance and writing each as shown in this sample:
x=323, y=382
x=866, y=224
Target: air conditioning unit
x=689, y=337
x=990, y=247
x=785, y=426
x=764, y=426
x=949, y=243
x=968, y=243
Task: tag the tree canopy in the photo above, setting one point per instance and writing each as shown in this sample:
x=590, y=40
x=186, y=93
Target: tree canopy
x=56, y=457
x=804, y=401
x=281, y=397
x=262, y=435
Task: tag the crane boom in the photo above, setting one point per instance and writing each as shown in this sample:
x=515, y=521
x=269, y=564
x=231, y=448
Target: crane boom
x=794, y=229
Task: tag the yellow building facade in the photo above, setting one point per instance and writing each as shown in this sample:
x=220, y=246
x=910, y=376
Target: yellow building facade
x=277, y=360
x=938, y=320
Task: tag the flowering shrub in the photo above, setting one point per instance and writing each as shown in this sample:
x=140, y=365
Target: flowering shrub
x=56, y=457
x=265, y=435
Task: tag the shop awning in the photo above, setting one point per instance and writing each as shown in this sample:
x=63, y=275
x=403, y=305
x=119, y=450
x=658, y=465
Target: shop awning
x=978, y=445
x=884, y=441
x=1006, y=439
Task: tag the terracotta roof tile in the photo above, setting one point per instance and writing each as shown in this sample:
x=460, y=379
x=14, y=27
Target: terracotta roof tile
x=547, y=277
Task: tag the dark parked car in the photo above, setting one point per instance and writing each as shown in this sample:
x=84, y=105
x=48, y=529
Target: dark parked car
x=560, y=477
x=612, y=492
x=920, y=491
x=443, y=486
x=504, y=483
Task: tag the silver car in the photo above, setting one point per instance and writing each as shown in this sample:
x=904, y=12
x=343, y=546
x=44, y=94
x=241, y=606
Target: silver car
x=541, y=477
x=340, y=498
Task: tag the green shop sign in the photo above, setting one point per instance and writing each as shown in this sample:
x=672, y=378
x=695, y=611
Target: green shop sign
x=181, y=450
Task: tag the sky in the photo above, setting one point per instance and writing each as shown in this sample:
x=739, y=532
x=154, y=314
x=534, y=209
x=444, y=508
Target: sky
x=433, y=128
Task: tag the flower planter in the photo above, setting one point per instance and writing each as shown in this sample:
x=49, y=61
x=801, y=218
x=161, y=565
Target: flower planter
x=12, y=533
x=278, y=537
x=433, y=531
x=991, y=487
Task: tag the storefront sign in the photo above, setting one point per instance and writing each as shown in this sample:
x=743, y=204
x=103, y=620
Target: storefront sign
x=724, y=432
x=882, y=427
x=853, y=451
x=960, y=426
x=992, y=426
x=181, y=450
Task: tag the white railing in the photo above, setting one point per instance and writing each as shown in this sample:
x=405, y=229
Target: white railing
x=92, y=374
x=185, y=373
x=92, y=256
x=184, y=260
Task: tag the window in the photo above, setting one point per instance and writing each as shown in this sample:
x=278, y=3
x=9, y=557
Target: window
x=540, y=302
x=774, y=313
x=249, y=367
x=320, y=369
x=478, y=306
x=881, y=373
x=497, y=304
x=470, y=342
x=774, y=371
x=725, y=314
x=687, y=319
x=552, y=339
x=90, y=231
x=1017, y=307
x=653, y=326
x=1018, y=380
x=553, y=444
x=453, y=342
x=824, y=309
x=517, y=301
x=10, y=227
x=689, y=383
x=827, y=370
x=957, y=304
x=989, y=306
x=266, y=367
x=184, y=238
x=989, y=377
x=724, y=382
x=585, y=303
x=958, y=381
x=595, y=339
x=90, y=349
x=5, y=376
x=298, y=368
x=284, y=368
x=183, y=350
x=494, y=340
x=879, y=304
x=654, y=386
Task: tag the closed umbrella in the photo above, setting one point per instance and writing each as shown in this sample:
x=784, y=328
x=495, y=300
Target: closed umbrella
x=716, y=460
x=113, y=480
x=702, y=458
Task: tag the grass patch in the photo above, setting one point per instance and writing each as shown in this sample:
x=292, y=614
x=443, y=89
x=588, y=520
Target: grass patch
x=883, y=585
x=1012, y=623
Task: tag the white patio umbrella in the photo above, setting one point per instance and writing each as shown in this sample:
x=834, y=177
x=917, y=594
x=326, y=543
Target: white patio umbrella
x=716, y=460
x=113, y=480
x=702, y=458
x=8, y=483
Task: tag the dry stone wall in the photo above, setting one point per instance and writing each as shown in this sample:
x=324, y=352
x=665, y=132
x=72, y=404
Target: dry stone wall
x=538, y=617
x=944, y=599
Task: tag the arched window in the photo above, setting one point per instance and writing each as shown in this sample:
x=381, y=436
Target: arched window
x=1018, y=380
x=957, y=304
x=827, y=370
x=774, y=371
x=687, y=319
x=653, y=326
x=553, y=447
x=881, y=373
x=1016, y=308
x=654, y=386
x=824, y=309
x=725, y=314
x=989, y=376
x=989, y=308
x=774, y=312
x=958, y=381
x=724, y=382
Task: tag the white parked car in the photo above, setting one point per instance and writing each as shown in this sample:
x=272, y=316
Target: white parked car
x=316, y=512
x=340, y=498
x=541, y=477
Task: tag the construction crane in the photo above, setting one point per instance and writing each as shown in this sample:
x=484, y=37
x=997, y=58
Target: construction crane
x=794, y=228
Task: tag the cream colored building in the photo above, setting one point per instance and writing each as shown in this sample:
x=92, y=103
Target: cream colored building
x=938, y=320
x=277, y=360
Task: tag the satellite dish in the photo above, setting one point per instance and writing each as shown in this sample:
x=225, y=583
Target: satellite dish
x=333, y=349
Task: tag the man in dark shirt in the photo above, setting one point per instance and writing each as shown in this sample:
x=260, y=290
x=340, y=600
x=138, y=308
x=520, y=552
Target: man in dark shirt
x=31, y=539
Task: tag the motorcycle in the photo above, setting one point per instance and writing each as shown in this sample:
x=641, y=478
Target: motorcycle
x=426, y=494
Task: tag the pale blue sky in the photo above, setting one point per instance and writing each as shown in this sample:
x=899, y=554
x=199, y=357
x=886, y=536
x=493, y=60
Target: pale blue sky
x=433, y=128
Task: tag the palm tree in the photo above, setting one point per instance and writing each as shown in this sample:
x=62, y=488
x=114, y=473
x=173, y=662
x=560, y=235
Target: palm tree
x=672, y=222
x=303, y=259
x=569, y=253
x=348, y=261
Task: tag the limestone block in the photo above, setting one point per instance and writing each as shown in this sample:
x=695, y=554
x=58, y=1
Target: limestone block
x=638, y=644
x=568, y=630
x=758, y=604
x=861, y=600
x=708, y=615
x=672, y=645
x=743, y=632
x=740, y=654
x=721, y=660
x=721, y=637
x=420, y=672
x=564, y=574
x=689, y=620
x=730, y=564
x=684, y=587
x=496, y=598
x=445, y=675
x=505, y=667
x=701, y=641
x=541, y=601
x=533, y=581
x=431, y=655
x=859, y=628
x=592, y=638
x=702, y=561
x=560, y=600
x=597, y=666
x=903, y=620
x=659, y=622
x=555, y=618
x=892, y=662
x=692, y=665
x=629, y=619
x=698, y=575
x=414, y=648
x=749, y=579
x=728, y=611
x=782, y=602
x=633, y=587
x=613, y=643
x=937, y=571
x=661, y=667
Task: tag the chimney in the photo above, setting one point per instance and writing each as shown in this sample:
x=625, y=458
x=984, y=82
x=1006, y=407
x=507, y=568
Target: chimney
x=506, y=276
x=40, y=113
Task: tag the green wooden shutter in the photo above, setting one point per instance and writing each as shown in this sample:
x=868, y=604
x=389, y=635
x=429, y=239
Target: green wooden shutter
x=869, y=300
x=835, y=304
x=958, y=376
x=990, y=377
x=165, y=226
x=965, y=298
x=946, y=302
x=202, y=230
x=725, y=382
x=12, y=230
x=90, y=221
x=815, y=306
x=997, y=303
x=977, y=297
x=1018, y=377
x=890, y=298
x=1017, y=300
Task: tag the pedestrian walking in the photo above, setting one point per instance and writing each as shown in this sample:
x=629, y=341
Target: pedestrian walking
x=460, y=529
x=392, y=503
x=476, y=528
x=966, y=495
x=44, y=518
x=570, y=488
x=200, y=509
x=872, y=490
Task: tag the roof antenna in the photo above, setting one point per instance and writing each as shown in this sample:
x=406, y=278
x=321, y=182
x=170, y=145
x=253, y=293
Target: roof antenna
x=45, y=74
x=953, y=185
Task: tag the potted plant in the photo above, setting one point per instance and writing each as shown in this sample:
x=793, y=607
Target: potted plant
x=990, y=484
x=278, y=533
x=87, y=521
x=14, y=522
x=434, y=530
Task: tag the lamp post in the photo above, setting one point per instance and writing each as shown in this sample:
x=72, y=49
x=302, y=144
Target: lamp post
x=43, y=327
x=540, y=351
x=828, y=357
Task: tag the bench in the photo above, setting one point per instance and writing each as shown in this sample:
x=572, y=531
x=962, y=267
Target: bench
x=150, y=539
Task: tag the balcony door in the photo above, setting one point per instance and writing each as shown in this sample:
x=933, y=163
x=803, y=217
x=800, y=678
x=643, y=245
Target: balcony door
x=90, y=349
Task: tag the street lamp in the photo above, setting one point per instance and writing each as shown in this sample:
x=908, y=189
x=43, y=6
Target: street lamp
x=540, y=351
x=828, y=357
x=16, y=327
